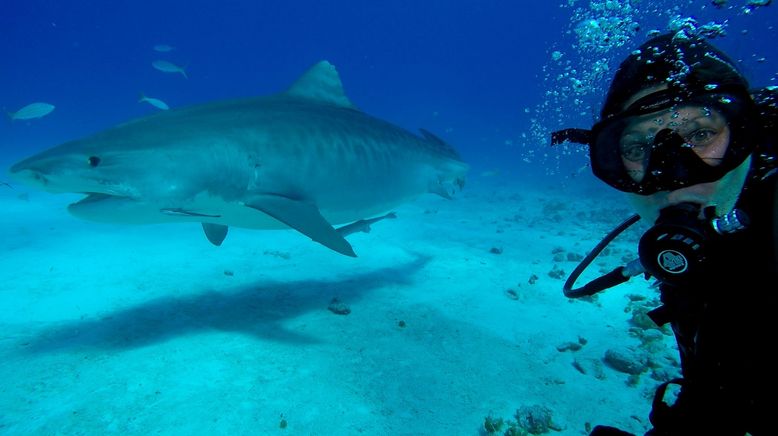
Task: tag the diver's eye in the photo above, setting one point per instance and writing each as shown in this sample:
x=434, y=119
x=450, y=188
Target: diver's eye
x=93, y=161
x=635, y=151
x=701, y=137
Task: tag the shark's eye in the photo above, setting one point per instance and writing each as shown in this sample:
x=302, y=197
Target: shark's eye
x=93, y=161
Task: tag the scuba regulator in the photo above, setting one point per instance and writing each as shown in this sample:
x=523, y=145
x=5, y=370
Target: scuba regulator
x=674, y=250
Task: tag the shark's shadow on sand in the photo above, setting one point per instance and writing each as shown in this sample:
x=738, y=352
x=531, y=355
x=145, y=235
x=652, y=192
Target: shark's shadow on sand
x=257, y=310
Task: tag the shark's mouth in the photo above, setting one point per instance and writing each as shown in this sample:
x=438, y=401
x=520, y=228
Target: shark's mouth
x=114, y=209
x=99, y=201
x=109, y=208
x=93, y=197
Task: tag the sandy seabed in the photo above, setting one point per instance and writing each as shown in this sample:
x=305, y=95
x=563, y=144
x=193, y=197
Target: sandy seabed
x=453, y=317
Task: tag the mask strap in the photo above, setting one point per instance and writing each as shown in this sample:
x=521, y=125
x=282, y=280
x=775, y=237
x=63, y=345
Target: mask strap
x=578, y=136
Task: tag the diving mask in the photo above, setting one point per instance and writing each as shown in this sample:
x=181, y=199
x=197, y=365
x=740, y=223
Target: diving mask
x=668, y=140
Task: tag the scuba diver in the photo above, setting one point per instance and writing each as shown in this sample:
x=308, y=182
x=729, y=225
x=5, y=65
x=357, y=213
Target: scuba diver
x=694, y=148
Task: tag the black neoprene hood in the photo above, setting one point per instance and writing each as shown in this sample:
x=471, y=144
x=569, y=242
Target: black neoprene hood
x=677, y=60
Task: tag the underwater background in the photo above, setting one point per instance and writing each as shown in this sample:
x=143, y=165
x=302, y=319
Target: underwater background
x=457, y=316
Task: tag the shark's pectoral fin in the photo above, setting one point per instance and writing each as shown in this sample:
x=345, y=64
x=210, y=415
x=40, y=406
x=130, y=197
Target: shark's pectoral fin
x=215, y=233
x=303, y=217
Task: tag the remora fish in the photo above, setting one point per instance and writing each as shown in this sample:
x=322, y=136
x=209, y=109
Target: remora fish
x=306, y=158
x=163, y=48
x=169, y=67
x=32, y=110
x=363, y=225
x=157, y=103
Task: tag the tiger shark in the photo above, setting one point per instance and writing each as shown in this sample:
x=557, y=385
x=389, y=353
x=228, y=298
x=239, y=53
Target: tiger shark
x=305, y=158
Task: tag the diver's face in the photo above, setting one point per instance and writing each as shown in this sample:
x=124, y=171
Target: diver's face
x=704, y=130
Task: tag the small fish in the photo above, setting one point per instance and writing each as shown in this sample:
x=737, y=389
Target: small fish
x=756, y=3
x=163, y=48
x=6, y=184
x=32, y=110
x=168, y=67
x=157, y=103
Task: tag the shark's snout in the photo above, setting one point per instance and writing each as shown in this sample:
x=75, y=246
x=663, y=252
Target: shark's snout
x=49, y=174
x=22, y=172
x=19, y=167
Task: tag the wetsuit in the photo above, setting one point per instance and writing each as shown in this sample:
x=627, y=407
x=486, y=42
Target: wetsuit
x=726, y=325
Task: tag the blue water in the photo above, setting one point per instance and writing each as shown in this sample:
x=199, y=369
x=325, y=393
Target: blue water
x=480, y=74
x=474, y=72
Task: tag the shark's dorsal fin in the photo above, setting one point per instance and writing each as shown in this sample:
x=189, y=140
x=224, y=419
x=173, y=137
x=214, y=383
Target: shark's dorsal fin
x=321, y=83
